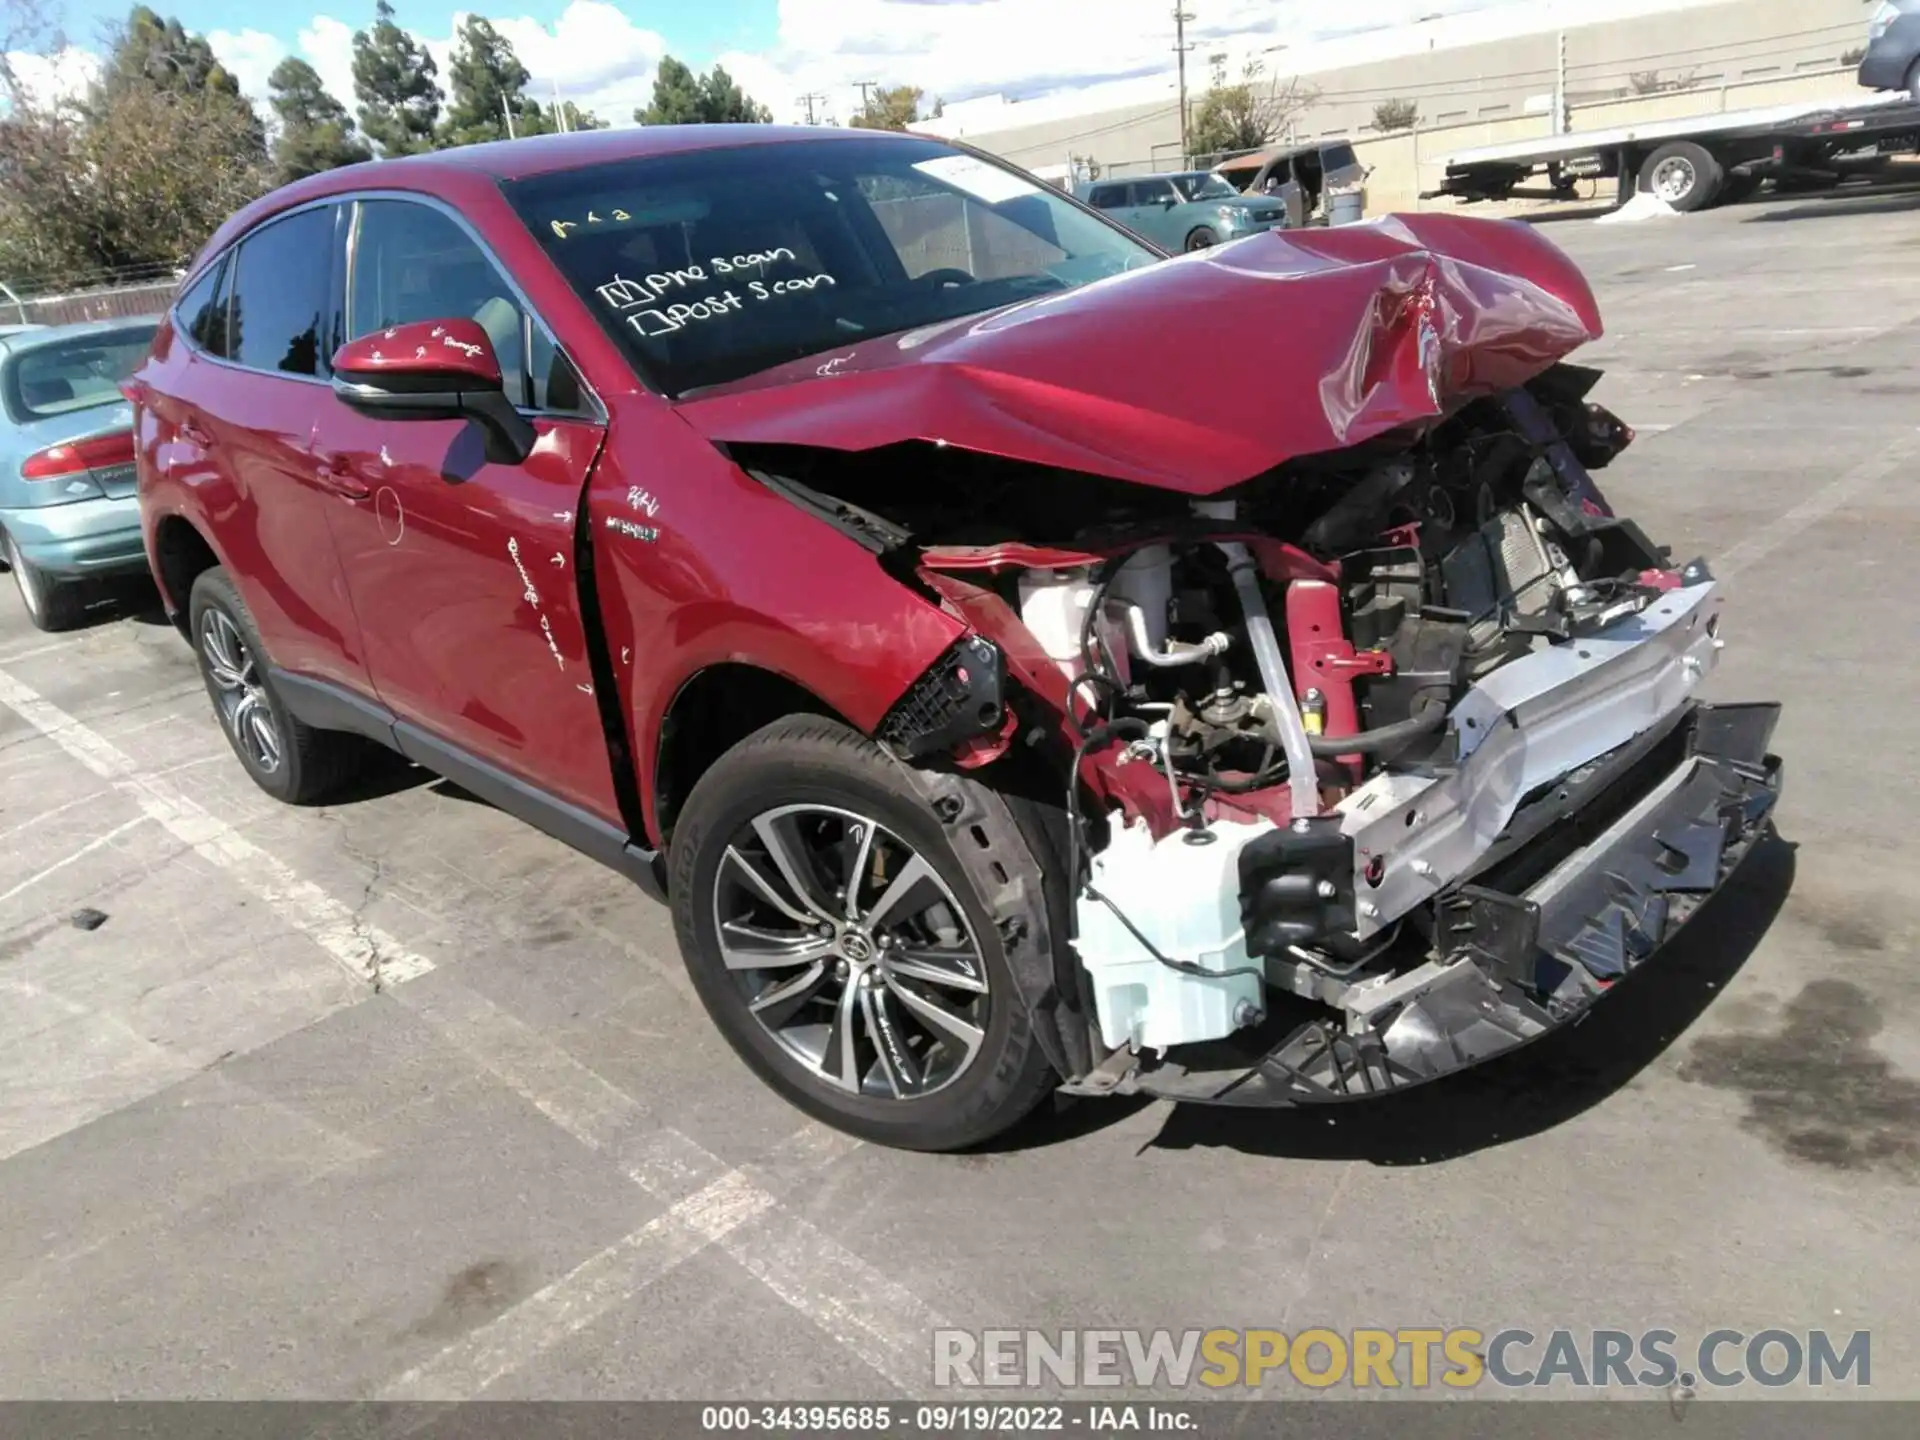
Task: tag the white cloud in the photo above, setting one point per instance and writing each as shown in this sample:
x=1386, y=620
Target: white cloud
x=66, y=74
x=593, y=53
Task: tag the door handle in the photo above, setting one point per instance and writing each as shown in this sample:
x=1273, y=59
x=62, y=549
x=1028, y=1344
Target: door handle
x=335, y=475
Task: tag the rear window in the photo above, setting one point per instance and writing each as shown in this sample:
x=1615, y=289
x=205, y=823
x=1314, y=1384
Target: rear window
x=74, y=374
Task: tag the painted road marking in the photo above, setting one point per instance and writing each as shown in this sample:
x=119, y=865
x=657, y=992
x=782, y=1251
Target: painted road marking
x=85, y=850
x=365, y=952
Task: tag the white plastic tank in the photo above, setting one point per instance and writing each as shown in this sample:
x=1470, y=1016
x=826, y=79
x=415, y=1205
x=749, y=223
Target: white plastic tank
x=1185, y=898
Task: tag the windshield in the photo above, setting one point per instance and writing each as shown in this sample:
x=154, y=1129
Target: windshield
x=1205, y=187
x=75, y=374
x=712, y=265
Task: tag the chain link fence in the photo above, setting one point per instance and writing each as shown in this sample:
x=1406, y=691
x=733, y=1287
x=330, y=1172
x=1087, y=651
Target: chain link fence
x=98, y=297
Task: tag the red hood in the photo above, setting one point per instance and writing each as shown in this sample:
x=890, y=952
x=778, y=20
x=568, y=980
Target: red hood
x=1202, y=371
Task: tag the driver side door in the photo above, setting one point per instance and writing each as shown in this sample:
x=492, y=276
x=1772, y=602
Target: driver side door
x=462, y=567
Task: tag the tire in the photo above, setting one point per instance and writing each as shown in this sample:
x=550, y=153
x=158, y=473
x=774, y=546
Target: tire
x=834, y=803
x=1913, y=82
x=1683, y=174
x=51, y=604
x=290, y=760
x=1201, y=239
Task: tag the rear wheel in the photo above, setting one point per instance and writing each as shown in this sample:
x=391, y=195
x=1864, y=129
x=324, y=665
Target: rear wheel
x=842, y=946
x=287, y=758
x=1683, y=174
x=51, y=604
x=1201, y=239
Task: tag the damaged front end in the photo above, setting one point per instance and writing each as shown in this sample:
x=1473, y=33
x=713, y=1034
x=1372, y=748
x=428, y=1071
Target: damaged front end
x=1376, y=765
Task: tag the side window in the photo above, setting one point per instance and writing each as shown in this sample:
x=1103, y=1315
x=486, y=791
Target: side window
x=202, y=311
x=1153, y=192
x=1108, y=197
x=413, y=262
x=279, y=307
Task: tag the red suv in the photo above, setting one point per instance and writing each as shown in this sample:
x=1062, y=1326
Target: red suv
x=1024, y=661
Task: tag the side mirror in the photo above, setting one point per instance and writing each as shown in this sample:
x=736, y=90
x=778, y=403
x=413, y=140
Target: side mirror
x=433, y=370
x=1167, y=202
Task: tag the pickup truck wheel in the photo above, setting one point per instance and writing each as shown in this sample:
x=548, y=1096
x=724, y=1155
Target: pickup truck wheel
x=1683, y=174
x=842, y=946
x=1201, y=239
x=52, y=605
x=288, y=759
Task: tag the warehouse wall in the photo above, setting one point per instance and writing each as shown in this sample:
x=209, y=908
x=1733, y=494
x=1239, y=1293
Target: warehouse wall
x=1737, y=43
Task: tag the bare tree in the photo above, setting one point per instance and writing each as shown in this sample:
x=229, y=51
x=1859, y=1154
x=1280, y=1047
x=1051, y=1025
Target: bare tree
x=1246, y=113
x=1652, y=82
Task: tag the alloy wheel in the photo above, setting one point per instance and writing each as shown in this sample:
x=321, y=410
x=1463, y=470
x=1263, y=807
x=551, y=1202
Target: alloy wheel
x=238, y=693
x=851, y=952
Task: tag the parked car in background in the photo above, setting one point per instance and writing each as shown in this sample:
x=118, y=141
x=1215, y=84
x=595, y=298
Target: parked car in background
x=69, y=513
x=1023, y=663
x=1892, y=61
x=1189, y=210
x=1304, y=179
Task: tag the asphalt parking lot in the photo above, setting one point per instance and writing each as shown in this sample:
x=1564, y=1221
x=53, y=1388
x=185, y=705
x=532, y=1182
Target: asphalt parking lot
x=402, y=1099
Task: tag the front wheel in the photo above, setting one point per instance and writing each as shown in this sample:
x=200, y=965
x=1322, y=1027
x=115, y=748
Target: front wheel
x=1201, y=239
x=843, y=947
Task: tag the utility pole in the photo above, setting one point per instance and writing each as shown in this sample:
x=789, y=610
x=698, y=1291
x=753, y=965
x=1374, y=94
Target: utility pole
x=865, y=86
x=809, y=101
x=507, y=114
x=1180, y=48
x=1561, y=119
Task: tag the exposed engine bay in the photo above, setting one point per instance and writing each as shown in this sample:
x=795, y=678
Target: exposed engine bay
x=1375, y=765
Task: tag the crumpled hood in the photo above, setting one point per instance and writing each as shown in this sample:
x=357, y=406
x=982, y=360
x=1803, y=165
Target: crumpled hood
x=1202, y=371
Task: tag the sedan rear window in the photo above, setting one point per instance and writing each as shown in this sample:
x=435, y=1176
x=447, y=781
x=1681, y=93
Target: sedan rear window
x=711, y=265
x=74, y=374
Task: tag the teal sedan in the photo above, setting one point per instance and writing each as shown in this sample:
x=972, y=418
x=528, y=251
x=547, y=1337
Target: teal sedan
x=68, y=511
x=1188, y=210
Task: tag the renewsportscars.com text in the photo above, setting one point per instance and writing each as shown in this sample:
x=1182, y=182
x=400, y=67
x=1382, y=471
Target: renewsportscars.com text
x=1413, y=1358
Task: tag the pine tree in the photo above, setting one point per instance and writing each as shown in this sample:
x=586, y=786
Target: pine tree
x=682, y=98
x=316, y=133
x=485, y=83
x=394, y=82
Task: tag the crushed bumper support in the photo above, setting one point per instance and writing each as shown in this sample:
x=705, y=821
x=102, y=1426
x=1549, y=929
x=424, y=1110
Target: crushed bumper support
x=1520, y=951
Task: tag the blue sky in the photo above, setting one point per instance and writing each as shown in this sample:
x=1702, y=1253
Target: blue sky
x=706, y=28
x=602, y=53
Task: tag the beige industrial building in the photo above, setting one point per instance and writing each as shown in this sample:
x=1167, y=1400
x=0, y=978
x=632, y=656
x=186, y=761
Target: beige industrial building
x=1670, y=48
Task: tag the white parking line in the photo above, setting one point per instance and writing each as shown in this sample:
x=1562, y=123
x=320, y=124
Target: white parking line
x=365, y=952
x=709, y=1205
x=1816, y=507
x=61, y=864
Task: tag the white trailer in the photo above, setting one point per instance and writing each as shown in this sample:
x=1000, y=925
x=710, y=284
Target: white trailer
x=1694, y=161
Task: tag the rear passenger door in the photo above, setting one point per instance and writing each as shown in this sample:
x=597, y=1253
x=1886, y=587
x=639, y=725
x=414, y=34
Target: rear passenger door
x=243, y=422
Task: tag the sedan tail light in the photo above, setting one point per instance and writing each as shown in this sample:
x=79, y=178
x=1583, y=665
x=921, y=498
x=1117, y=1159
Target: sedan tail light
x=78, y=456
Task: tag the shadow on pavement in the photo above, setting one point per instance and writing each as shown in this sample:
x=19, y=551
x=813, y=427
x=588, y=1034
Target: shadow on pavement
x=1548, y=1083
x=1882, y=199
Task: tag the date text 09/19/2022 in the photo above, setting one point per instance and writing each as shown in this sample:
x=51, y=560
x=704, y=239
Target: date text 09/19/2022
x=948, y=1419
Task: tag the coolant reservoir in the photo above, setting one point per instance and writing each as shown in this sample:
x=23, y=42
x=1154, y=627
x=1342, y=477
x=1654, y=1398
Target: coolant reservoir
x=1185, y=898
x=1053, y=605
